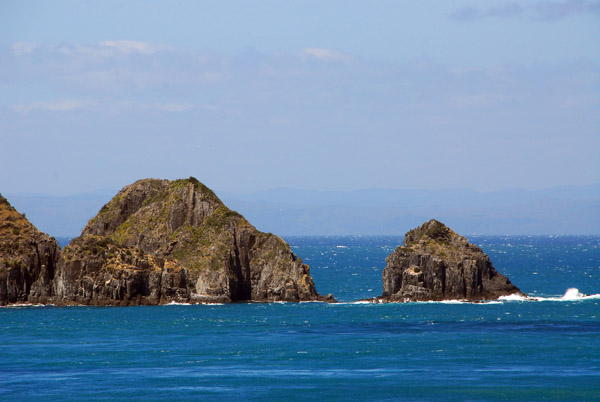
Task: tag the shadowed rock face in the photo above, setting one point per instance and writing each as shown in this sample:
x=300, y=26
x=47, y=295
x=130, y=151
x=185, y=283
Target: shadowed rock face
x=28, y=258
x=160, y=241
x=435, y=263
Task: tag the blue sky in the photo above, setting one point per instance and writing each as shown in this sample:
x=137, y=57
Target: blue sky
x=339, y=95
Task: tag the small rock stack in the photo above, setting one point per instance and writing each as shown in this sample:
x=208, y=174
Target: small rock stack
x=437, y=264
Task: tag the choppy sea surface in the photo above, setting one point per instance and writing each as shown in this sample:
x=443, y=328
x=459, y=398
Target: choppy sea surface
x=543, y=348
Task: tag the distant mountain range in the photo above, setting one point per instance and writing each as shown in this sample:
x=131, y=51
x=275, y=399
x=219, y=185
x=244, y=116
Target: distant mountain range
x=60, y=216
x=557, y=210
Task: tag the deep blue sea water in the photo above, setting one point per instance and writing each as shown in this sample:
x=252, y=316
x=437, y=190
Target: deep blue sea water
x=544, y=350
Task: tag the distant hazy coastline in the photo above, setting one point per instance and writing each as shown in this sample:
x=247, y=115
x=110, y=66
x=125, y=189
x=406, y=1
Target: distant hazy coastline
x=557, y=210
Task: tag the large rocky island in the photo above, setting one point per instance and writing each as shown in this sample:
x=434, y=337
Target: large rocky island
x=155, y=242
x=435, y=264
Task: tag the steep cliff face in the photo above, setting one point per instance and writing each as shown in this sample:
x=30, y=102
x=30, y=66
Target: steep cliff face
x=159, y=241
x=28, y=258
x=155, y=242
x=435, y=263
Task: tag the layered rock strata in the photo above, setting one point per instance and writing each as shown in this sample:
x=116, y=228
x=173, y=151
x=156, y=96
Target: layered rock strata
x=437, y=264
x=161, y=241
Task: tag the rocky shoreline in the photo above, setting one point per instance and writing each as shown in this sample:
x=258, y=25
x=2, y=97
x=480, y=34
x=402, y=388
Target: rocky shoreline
x=160, y=242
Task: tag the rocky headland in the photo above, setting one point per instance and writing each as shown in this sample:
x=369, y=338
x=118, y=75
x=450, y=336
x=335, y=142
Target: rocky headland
x=155, y=242
x=436, y=264
x=28, y=258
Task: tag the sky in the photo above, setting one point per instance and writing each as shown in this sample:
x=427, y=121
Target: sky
x=321, y=95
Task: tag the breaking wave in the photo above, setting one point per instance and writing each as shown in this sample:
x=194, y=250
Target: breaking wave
x=572, y=294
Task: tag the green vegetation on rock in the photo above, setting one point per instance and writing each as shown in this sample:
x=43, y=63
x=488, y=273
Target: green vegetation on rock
x=158, y=241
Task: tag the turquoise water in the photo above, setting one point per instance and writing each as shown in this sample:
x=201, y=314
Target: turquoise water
x=545, y=350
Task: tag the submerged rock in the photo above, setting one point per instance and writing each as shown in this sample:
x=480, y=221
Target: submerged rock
x=437, y=264
x=161, y=241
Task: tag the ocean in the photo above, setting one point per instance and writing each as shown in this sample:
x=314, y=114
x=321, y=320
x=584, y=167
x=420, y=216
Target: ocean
x=543, y=348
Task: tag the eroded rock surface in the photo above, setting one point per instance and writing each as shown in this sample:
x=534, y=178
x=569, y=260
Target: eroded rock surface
x=161, y=241
x=28, y=258
x=437, y=264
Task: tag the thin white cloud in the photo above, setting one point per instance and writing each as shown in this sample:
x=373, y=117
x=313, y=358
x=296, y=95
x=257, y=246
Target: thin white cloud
x=111, y=106
x=102, y=49
x=323, y=54
x=132, y=46
x=21, y=48
x=53, y=106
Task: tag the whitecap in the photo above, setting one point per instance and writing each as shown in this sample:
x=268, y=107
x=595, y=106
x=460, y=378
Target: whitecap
x=514, y=297
x=572, y=294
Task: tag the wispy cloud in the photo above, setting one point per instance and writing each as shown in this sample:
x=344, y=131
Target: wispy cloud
x=111, y=67
x=21, y=48
x=543, y=10
x=132, y=46
x=52, y=106
x=110, y=106
x=265, y=87
x=469, y=13
x=104, y=49
x=323, y=54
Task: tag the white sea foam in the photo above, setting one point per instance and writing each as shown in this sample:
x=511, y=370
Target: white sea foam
x=174, y=303
x=452, y=301
x=18, y=305
x=572, y=294
x=353, y=302
x=458, y=301
x=408, y=301
x=514, y=297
